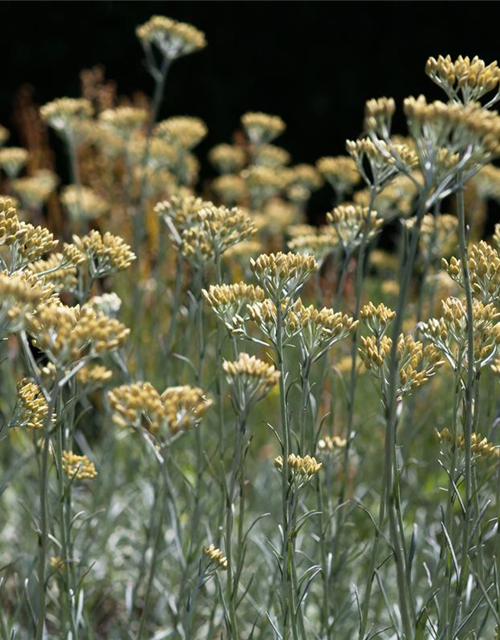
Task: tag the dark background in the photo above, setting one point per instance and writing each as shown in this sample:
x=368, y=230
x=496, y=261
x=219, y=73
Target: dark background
x=313, y=63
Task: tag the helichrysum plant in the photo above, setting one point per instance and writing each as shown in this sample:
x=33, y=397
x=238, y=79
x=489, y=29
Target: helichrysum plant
x=220, y=420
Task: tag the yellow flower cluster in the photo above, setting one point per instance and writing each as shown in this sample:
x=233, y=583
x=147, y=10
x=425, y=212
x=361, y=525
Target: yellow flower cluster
x=301, y=467
x=320, y=329
x=179, y=213
x=331, y=443
x=351, y=222
x=174, y=39
x=103, y=254
x=229, y=302
x=79, y=467
x=139, y=405
x=471, y=125
x=269, y=155
x=55, y=271
x=318, y=245
x=252, y=379
x=472, y=78
x=95, y=375
x=123, y=121
x=262, y=128
x=33, y=408
x=379, y=113
x=227, y=158
x=230, y=189
x=20, y=296
x=64, y=114
x=377, y=319
x=26, y=242
x=12, y=160
x=182, y=131
x=216, y=557
x=341, y=172
x=82, y=203
x=484, y=271
x=282, y=274
x=34, y=190
x=263, y=183
x=214, y=230
x=417, y=364
x=449, y=332
x=438, y=235
x=480, y=446
x=67, y=334
x=184, y=407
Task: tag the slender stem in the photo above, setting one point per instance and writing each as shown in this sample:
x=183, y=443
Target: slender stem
x=44, y=526
x=468, y=398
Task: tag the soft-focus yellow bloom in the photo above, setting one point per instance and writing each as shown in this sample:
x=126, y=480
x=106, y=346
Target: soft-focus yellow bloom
x=79, y=467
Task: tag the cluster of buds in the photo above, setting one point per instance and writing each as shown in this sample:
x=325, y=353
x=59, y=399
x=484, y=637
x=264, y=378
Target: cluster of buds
x=230, y=189
x=69, y=334
x=319, y=245
x=479, y=445
x=21, y=294
x=78, y=467
x=156, y=153
x=32, y=408
x=243, y=251
x=140, y=406
x=464, y=80
x=56, y=271
x=300, y=468
x=103, y=254
x=94, y=376
x=378, y=115
x=229, y=302
x=438, y=235
x=340, y=172
x=282, y=275
x=263, y=183
x=82, y=203
x=377, y=319
x=385, y=159
x=183, y=407
x=215, y=557
x=24, y=241
x=320, y=329
x=64, y=115
x=269, y=155
x=227, y=158
x=123, y=121
x=302, y=180
x=484, y=271
x=172, y=38
x=262, y=128
x=395, y=200
x=265, y=316
x=416, y=363
x=251, y=380
x=182, y=132
x=350, y=223
x=12, y=160
x=449, y=332
x=441, y=131
x=179, y=214
x=34, y=190
x=331, y=444
x=214, y=231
